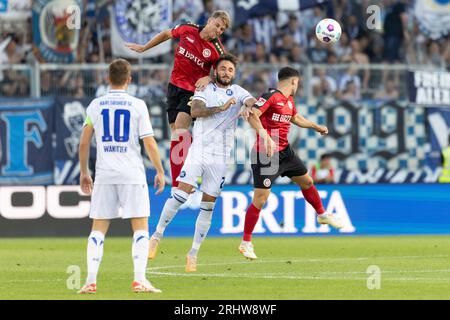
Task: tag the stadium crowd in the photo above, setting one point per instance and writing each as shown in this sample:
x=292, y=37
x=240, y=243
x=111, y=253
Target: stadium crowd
x=282, y=39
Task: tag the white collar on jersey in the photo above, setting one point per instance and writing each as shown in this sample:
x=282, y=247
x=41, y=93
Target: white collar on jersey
x=116, y=90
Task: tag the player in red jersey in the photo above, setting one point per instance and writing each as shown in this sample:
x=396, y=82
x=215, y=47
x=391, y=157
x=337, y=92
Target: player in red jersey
x=272, y=156
x=198, y=50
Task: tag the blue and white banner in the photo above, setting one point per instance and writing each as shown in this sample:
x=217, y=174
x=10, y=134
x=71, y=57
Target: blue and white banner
x=384, y=209
x=429, y=88
x=56, y=29
x=364, y=210
x=245, y=9
x=433, y=17
x=138, y=21
x=15, y=10
x=439, y=130
x=26, y=129
x=70, y=114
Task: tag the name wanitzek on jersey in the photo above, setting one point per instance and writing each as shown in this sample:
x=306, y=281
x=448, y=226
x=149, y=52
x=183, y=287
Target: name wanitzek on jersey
x=281, y=117
x=191, y=56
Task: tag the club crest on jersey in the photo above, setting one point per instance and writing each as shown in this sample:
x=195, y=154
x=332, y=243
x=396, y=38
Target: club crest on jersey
x=260, y=102
x=267, y=182
x=290, y=105
x=206, y=53
x=229, y=92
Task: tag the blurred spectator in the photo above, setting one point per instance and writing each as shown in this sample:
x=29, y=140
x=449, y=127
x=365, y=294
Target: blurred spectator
x=342, y=48
x=360, y=58
x=295, y=30
x=317, y=52
x=353, y=28
x=434, y=55
x=260, y=55
x=297, y=55
x=209, y=9
x=395, y=31
x=246, y=42
x=323, y=171
x=350, y=85
x=187, y=10
x=264, y=31
x=285, y=46
x=322, y=84
x=46, y=84
x=389, y=91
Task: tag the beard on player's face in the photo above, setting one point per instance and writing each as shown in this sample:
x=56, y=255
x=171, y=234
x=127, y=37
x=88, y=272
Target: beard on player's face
x=224, y=80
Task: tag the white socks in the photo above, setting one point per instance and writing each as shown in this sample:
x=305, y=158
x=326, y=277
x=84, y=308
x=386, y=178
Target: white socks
x=139, y=252
x=94, y=255
x=202, y=226
x=169, y=211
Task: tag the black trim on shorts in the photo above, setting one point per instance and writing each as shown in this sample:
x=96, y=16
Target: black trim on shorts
x=285, y=163
x=177, y=101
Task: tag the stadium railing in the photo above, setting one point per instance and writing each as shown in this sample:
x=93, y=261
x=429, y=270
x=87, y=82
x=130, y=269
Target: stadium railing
x=149, y=80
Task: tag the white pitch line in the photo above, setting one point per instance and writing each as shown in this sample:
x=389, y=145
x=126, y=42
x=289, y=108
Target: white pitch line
x=281, y=276
x=285, y=260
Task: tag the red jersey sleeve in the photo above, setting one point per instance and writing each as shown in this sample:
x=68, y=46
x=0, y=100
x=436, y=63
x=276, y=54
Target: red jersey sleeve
x=263, y=103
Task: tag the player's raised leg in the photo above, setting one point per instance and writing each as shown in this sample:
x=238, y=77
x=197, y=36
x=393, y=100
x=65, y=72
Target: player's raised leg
x=181, y=140
x=311, y=195
x=139, y=253
x=177, y=199
x=96, y=240
x=251, y=218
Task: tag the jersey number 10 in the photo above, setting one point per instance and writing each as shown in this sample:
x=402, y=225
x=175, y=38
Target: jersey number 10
x=121, y=120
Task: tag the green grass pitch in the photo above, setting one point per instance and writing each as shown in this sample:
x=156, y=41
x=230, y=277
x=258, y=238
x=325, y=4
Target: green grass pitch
x=412, y=267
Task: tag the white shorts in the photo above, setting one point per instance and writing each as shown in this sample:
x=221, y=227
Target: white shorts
x=201, y=165
x=106, y=199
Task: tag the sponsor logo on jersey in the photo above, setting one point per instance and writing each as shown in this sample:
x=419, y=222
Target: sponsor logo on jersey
x=182, y=174
x=260, y=102
x=190, y=40
x=191, y=56
x=229, y=92
x=280, y=104
x=281, y=117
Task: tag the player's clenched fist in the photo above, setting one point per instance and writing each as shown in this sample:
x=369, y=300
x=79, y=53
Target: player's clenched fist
x=228, y=104
x=322, y=130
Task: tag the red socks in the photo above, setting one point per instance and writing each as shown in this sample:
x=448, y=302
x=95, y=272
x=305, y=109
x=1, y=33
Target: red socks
x=312, y=196
x=251, y=218
x=178, y=153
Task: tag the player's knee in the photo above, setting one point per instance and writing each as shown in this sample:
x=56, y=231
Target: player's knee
x=307, y=183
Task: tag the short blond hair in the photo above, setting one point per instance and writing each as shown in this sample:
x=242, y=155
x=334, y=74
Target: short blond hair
x=222, y=15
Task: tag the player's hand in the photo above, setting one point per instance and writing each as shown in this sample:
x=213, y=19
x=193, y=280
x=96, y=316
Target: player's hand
x=160, y=182
x=270, y=146
x=202, y=83
x=135, y=47
x=228, y=104
x=322, y=130
x=86, y=183
x=246, y=113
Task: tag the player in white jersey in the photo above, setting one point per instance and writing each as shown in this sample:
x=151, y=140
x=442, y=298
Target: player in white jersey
x=217, y=109
x=118, y=121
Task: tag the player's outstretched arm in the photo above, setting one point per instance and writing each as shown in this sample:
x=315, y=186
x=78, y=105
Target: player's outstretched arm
x=83, y=154
x=302, y=122
x=199, y=109
x=159, y=38
x=151, y=147
x=256, y=124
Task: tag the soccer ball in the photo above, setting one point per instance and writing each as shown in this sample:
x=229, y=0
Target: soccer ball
x=328, y=31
